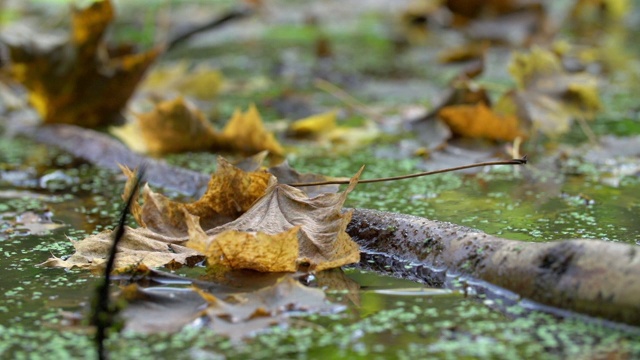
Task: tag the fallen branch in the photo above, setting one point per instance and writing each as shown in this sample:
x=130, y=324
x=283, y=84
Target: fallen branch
x=593, y=277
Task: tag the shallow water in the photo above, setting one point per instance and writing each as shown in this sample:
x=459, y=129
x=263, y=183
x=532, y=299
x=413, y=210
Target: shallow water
x=386, y=317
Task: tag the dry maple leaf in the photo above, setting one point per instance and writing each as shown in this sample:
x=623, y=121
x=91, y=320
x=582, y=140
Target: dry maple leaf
x=548, y=97
x=137, y=246
x=322, y=240
x=231, y=192
x=75, y=80
x=177, y=126
x=479, y=121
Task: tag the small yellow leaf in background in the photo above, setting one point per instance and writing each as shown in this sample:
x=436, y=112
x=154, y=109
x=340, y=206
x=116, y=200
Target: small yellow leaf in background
x=201, y=82
x=176, y=126
x=548, y=97
x=313, y=125
x=246, y=133
x=76, y=80
x=478, y=121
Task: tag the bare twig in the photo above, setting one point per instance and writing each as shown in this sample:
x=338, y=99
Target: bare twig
x=520, y=161
x=233, y=14
x=102, y=316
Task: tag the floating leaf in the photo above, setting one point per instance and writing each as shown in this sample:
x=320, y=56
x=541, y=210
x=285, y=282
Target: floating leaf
x=478, y=121
x=323, y=242
x=231, y=192
x=137, y=246
x=73, y=80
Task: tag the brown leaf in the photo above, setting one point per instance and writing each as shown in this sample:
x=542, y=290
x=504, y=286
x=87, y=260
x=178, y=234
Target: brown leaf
x=74, y=80
x=231, y=192
x=323, y=242
x=137, y=246
x=247, y=250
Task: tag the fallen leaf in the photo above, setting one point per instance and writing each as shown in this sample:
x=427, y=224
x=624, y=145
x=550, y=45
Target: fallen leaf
x=313, y=125
x=176, y=126
x=547, y=96
x=137, y=246
x=245, y=132
x=230, y=193
x=75, y=80
x=323, y=242
x=479, y=121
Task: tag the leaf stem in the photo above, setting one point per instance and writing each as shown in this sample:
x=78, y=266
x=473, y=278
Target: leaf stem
x=520, y=161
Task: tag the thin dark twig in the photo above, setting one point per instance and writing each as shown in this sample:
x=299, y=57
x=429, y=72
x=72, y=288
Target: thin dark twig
x=521, y=161
x=102, y=314
x=223, y=19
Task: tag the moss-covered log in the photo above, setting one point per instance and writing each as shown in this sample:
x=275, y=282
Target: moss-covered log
x=593, y=277
x=589, y=276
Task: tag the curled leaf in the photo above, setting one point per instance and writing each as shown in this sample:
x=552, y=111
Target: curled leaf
x=322, y=239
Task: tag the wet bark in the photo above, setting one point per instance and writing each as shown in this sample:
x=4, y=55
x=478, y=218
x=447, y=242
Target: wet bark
x=593, y=277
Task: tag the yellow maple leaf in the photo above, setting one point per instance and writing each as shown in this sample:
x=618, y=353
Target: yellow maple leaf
x=245, y=132
x=176, y=126
x=76, y=81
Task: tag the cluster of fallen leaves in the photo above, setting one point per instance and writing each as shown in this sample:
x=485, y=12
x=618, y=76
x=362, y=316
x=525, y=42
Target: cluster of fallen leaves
x=245, y=220
x=82, y=80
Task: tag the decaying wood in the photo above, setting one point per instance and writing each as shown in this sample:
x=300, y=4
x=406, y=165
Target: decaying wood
x=593, y=277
